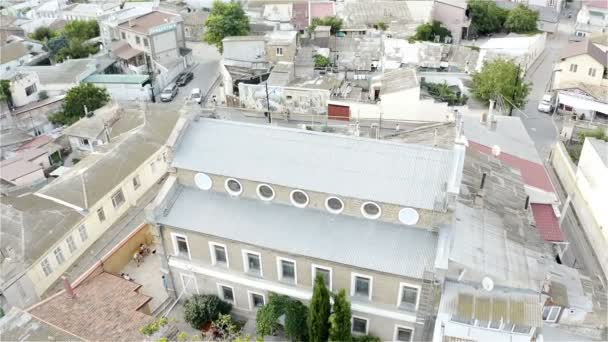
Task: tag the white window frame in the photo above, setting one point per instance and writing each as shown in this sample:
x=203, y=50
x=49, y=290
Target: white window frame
x=250, y=298
x=352, y=325
x=591, y=72
x=296, y=204
x=353, y=277
x=103, y=213
x=313, y=274
x=280, y=269
x=220, y=293
x=174, y=237
x=46, y=262
x=396, y=332
x=246, y=263
x=573, y=67
x=400, y=293
x=212, y=246
x=58, y=248
x=279, y=51
x=193, y=277
x=368, y=216
x=136, y=182
x=233, y=193
x=124, y=200
x=257, y=190
x=82, y=231
x=551, y=308
x=71, y=247
x=333, y=211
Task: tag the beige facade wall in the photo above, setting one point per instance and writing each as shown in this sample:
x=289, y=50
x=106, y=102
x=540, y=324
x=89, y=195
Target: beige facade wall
x=352, y=206
x=583, y=64
x=94, y=227
x=288, y=52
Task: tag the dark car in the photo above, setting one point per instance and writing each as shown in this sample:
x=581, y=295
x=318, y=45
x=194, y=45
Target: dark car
x=184, y=78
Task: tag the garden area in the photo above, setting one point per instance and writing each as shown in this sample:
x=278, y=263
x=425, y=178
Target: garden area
x=575, y=146
x=444, y=93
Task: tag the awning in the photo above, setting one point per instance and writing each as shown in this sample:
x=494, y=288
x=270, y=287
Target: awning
x=126, y=52
x=581, y=103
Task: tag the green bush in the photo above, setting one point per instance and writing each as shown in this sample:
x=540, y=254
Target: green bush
x=428, y=32
x=334, y=22
x=152, y=328
x=200, y=308
x=366, y=338
x=321, y=61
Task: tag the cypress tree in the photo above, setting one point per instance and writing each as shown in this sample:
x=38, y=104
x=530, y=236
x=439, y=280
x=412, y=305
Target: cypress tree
x=340, y=325
x=318, y=314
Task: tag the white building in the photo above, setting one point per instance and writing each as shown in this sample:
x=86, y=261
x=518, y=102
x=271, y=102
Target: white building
x=523, y=50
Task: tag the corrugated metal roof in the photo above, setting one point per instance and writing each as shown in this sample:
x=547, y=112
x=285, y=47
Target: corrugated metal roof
x=358, y=242
x=388, y=172
x=546, y=222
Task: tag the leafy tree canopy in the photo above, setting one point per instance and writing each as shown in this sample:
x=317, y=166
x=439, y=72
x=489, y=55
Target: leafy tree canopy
x=487, y=16
x=521, y=19
x=43, y=33
x=500, y=77
x=76, y=99
x=81, y=29
x=321, y=61
x=200, y=308
x=429, y=31
x=225, y=20
x=335, y=23
x=295, y=317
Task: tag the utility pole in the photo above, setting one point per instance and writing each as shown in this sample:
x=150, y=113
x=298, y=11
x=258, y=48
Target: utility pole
x=268, y=103
x=514, y=90
x=151, y=74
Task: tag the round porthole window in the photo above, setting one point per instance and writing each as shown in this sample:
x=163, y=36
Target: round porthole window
x=233, y=187
x=299, y=198
x=334, y=205
x=203, y=181
x=408, y=216
x=371, y=210
x=265, y=192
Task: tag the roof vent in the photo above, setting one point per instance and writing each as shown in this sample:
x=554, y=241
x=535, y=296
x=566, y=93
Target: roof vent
x=408, y=216
x=487, y=283
x=496, y=150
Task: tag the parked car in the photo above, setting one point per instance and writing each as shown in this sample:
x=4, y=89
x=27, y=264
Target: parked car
x=169, y=93
x=196, y=95
x=545, y=105
x=184, y=78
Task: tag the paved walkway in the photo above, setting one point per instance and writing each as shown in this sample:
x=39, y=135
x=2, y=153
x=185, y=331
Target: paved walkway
x=134, y=217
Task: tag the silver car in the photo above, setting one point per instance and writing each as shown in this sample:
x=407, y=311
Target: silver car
x=169, y=93
x=545, y=105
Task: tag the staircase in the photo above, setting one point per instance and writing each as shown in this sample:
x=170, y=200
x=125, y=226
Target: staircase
x=427, y=308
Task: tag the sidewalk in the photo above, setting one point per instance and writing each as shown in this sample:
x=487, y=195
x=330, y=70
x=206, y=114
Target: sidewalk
x=134, y=217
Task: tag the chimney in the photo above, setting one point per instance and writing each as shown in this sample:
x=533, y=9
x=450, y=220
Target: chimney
x=69, y=290
x=131, y=23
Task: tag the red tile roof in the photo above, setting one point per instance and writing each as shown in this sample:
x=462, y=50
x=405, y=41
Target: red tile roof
x=533, y=174
x=322, y=9
x=300, y=15
x=546, y=222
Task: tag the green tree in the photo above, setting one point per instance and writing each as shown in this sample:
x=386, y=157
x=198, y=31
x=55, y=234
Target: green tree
x=339, y=320
x=225, y=20
x=200, y=308
x=486, y=16
x=521, y=19
x=500, y=77
x=55, y=44
x=334, y=22
x=318, y=314
x=428, y=32
x=382, y=26
x=43, y=34
x=76, y=99
x=5, y=92
x=295, y=317
x=296, y=314
x=81, y=29
x=321, y=61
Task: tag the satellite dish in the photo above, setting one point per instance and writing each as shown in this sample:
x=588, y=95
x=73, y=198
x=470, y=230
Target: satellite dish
x=495, y=150
x=408, y=216
x=203, y=181
x=487, y=283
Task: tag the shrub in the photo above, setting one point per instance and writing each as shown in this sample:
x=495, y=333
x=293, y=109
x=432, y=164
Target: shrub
x=153, y=327
x=199, y=309
x=366, y=338
x=42, y=95
x=321, y=61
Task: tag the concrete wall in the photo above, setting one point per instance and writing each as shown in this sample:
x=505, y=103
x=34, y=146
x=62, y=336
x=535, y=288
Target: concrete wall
x=570, y=178
x=30, y=178
x=452, y=17
x=584, y=63
x=352, y=206
x=126, y=92
x=165, y=47
x=289, y=52
x=124, y=254
x=245, y=50
x=284, y=99
x=94, y=227
x=592, y=181
x=407, y=105
x=18, y=85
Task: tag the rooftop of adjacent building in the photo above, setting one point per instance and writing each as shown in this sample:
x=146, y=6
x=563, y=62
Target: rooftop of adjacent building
x=19, y=325
x=145, y=23
x=587, y=47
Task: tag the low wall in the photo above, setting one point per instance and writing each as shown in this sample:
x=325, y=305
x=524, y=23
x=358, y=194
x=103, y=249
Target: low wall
x=566, y=172
x=124, y=253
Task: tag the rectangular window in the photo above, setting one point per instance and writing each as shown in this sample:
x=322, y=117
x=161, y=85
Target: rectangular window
x=325, y=272
x=573, y=67
x=30, y=90
x=46, y=267
x=137, y=40
x=403, y=334
x=360, y=325
x=252, y=262
x=82, y=231
x=287, y=270
x=361, y=286
x=219, y=254
x=592, y=72
x=180, y=246
x=226, y=293
x=59, y=255
x=101, y=215
x=256, y=300
x=279, y=51
x=71, y=243
x=118, y=199
x=550, y=313
x=123, y=35
x=136, y=183
x=408, y=297
x=146, y=42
